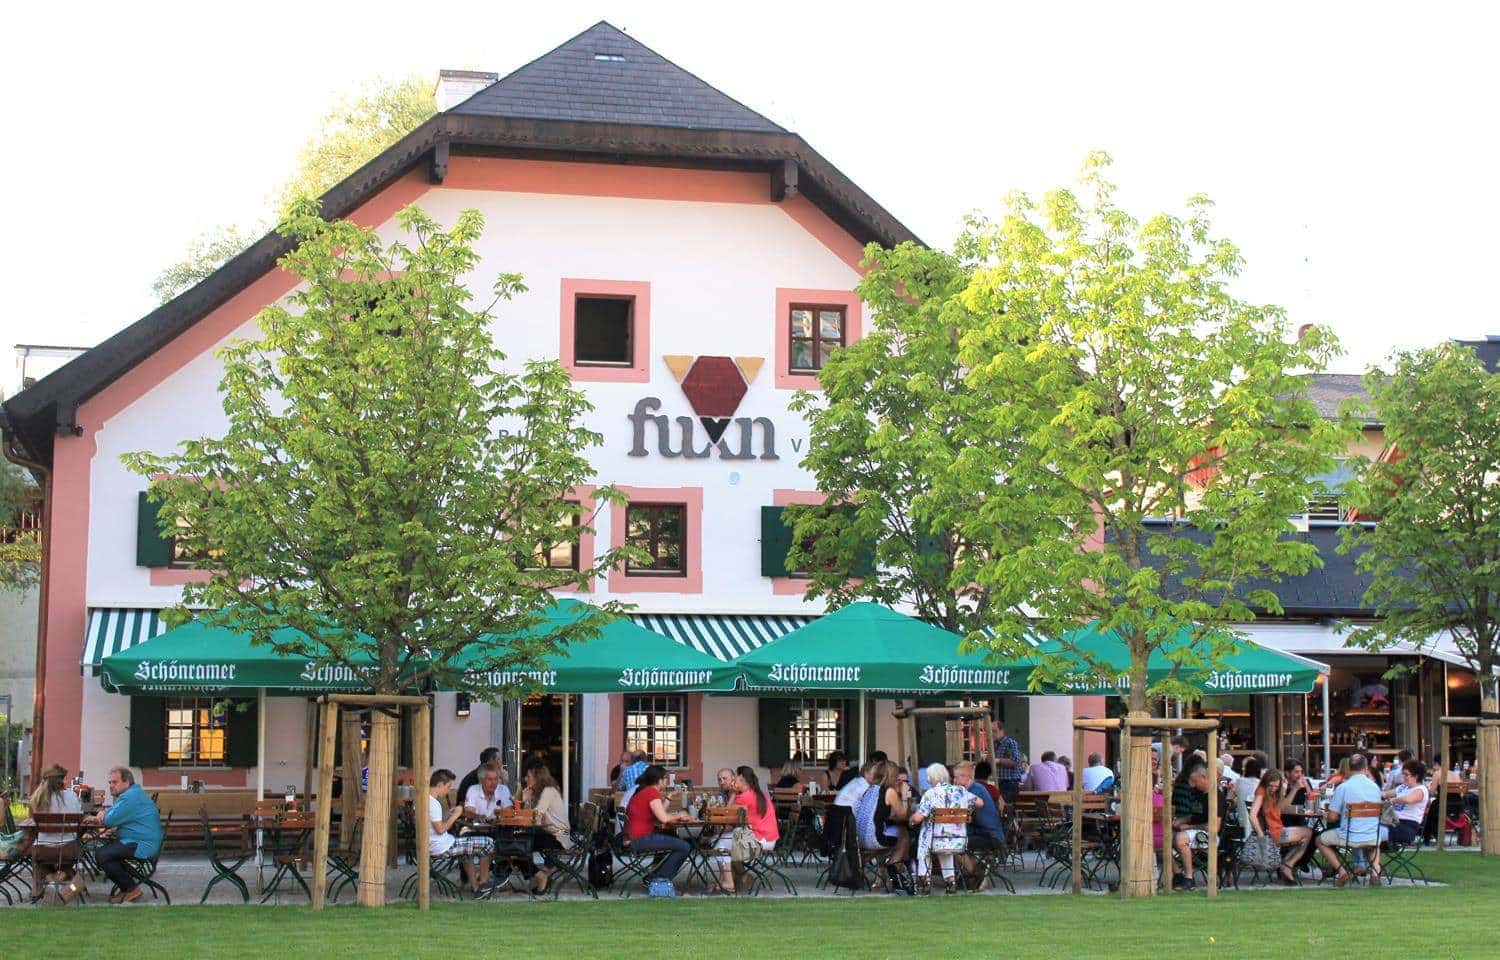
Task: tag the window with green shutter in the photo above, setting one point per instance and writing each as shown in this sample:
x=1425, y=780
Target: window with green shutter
x=775, y=542
x=148, y=720
x=151, y=548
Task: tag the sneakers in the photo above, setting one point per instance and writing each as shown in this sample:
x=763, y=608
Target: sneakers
x=1180, y=882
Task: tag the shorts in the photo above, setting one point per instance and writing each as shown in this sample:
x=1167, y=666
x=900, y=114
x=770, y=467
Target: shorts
x=1197, y=837
x=722, y=845
x=471, y=845
x=1333, y=837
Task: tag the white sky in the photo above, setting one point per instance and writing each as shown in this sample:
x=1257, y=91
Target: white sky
x=1347, y=146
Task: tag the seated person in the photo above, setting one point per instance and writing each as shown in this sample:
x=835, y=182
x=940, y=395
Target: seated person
x=1189, y=817
x=541, y=794
x=1096, y=775
x=760, y=816
x=488, y=795
x=726, y=785
x=864, y=811
x=138, y=834
x=986, y=832
x=1047, y=776
x=792, y=777
x=1266, y=821
x=1410, y=801
x=487, y=757
x=54, y=849
x=984, y=775
x=1362, y=832
x=632, y=772
x=893, y=809
x=473, y=848
x=646, y=812
x=843, y=805
x=941, y=840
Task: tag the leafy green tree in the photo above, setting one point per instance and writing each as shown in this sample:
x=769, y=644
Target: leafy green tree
x=351, y=134
x=385, y=482
x=889, y=418
x=1121, y=381
x=20, y=549
x=1433, y=554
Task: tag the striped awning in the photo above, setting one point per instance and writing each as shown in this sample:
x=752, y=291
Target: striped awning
x=724, y=636
x=112, y=629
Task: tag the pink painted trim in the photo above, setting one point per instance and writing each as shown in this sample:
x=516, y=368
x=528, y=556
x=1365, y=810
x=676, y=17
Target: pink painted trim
x=67, y=611
x=792, y=586
x=825, y=231
x=606, y=180
x=584, y=494
x=637, y=291
x=177, y=576
x=1094, y=741
x=785, y=297
x=622, y=582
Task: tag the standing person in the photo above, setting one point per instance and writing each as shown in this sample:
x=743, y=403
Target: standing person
x=137, y=826
x=940, y=840
x=540, y=793
x=1008, y=772
x=475, y=849
x=489, y=756
x=1096, y=774
x=646, y=812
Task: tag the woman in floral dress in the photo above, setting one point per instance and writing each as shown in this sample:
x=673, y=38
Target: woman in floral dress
x=940, y=839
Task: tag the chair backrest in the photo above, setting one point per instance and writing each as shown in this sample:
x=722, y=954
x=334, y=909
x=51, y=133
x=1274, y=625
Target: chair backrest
x=785, y=797
x=57, y=822
x=516, y=817
x=297, y=820
x=1358, y=811
x=950, y=815
x=267, y=808
x=726, y=816
x=588, y=818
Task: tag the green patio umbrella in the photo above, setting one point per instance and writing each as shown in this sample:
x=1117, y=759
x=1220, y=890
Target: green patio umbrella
x=621, y=658
x=1250, y=669
x=198, y=657
x=868, y=647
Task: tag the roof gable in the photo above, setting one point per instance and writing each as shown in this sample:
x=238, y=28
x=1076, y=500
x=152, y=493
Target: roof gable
x=605, y=76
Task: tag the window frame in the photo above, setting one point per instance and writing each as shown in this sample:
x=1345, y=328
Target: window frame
x=808, y=708
x=630, y=319
x=653, y=541
x=201, y=709
x=660, y=705
x=544, y=554
x=817, y=340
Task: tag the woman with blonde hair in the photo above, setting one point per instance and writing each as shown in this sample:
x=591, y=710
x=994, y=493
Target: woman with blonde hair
x=940, y=840
x=542, y=795
x=53, y=796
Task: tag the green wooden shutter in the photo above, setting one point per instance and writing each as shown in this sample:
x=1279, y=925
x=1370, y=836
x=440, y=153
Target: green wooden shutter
x=151, y=548
x=849, y=742
x=148, y=731
x=775, y=542
x=241, y=731
x=775, y=715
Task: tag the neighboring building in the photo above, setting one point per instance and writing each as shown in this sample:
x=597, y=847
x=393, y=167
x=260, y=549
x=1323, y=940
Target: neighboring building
x=697, y=240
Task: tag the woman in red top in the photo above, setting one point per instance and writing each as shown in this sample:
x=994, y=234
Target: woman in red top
x=760, y=816
x=647, y=811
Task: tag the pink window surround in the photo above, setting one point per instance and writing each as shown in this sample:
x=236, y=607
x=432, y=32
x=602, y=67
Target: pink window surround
x=792, y=586
x=692, y=582
x=639, y=292
x=584, y=495
x=785, y=297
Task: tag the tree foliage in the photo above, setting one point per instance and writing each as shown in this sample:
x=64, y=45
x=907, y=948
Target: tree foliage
x=1128, y=384
x=890, y=417
x=385, y=482
x=353, y=132
x=1433, y=555
x=20, y=549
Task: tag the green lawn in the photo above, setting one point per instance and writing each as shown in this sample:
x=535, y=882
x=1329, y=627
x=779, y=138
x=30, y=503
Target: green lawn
x=1437, y=923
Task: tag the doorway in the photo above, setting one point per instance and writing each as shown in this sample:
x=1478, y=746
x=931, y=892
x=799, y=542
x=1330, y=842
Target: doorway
x=541, y=722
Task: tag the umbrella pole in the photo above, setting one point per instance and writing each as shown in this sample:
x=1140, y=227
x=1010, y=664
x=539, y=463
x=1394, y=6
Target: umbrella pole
x=863, y=743
x=1327, y=751
x=260, y=764
x=567, y=760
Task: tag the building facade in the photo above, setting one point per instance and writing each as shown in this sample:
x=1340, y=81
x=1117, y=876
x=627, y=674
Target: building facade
x=688, y=260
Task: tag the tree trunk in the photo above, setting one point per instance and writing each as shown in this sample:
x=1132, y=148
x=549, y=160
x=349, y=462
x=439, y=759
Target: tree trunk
x=1137, y=863
x=382, y=764
x=1488, y=739
x=349, y=798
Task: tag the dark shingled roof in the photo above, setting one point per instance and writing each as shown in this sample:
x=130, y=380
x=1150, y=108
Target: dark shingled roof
x=1336, y=589
x=1488, y=351
x=605, y=76
x=1328, y=391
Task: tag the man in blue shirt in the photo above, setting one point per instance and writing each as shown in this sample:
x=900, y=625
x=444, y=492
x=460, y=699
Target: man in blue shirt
x=630, y=774
x=985, y=831
x=1358, y=831
x=137, y=826
x=1008, y=768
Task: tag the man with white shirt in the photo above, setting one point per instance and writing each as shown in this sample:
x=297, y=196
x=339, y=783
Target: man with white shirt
x=1095, y=774
x=488, y=795
x=844, y=804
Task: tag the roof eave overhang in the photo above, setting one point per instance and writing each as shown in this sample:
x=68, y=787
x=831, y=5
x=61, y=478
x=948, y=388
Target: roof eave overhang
x=48, y=408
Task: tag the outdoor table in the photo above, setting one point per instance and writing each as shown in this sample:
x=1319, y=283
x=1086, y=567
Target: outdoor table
x=510, y=842
x=285, y=837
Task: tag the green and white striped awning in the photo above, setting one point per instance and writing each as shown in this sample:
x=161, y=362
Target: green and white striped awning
x=723, y=636
x=112, y=629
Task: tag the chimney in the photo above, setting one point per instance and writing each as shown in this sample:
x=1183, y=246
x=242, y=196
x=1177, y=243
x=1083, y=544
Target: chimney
x=1302, y=330
x=456, y=86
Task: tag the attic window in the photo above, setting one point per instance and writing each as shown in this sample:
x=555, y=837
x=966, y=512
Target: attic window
x=610, y=57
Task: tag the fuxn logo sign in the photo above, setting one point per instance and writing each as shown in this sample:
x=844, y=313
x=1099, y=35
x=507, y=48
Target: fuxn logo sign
x=714, y=387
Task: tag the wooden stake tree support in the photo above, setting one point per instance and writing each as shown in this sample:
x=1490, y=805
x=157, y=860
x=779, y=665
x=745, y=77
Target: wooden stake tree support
x=1126, y=726
x=382, y=781
x=1489, y=803
x=906, y=717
